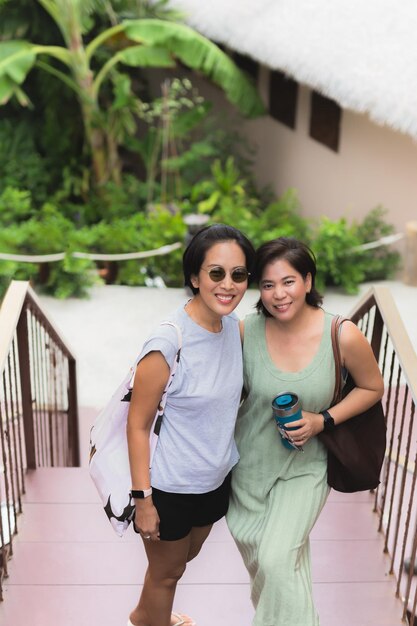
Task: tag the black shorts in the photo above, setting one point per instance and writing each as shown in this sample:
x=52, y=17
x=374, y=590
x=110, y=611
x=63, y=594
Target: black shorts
x=180, y=512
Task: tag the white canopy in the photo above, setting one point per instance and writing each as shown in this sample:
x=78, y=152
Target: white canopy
x=361, y=53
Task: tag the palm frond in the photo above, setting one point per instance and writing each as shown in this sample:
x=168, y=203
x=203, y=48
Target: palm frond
x=200, y=54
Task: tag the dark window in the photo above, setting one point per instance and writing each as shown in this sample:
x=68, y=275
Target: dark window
x=325, y=118
x=283, y=92
x=248, y=65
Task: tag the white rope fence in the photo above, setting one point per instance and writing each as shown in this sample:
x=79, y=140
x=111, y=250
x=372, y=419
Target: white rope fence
x=32, y=258
x=126, y=256
x=384, y=241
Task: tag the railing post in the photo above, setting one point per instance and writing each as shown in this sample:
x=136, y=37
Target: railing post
x=26, y=388
x=73, y=413
x=410, y=263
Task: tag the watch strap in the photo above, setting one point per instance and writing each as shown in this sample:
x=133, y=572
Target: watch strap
x=328, y=420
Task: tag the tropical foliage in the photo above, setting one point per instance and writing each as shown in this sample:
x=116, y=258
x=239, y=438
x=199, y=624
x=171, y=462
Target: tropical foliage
x=91, y=68
x=92, y=161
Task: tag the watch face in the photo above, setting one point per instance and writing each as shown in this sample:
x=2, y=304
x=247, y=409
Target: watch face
x=139, y=494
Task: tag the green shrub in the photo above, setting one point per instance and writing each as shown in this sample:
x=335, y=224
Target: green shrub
x=142, y=232
x=382, y=262
x=47, y=232
x=71, y=278
x=162, y=228
x=230, y=198
x=282, y=219
x=17, y=271
x=337, y=263
x=15, y=206
x=113, y=202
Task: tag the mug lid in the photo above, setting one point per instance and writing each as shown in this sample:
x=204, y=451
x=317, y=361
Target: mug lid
x=285, y=404
x=283, y=400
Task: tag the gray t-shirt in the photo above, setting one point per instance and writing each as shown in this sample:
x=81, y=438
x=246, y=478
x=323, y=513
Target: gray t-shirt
x=196, y=448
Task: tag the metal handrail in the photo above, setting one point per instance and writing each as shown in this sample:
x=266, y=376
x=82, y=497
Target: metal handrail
x=381, y=297
x=38, y=404
x=377, y=316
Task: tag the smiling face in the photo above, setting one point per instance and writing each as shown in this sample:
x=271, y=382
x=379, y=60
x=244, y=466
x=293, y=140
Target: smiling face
x=283, y=290
x=220, y=298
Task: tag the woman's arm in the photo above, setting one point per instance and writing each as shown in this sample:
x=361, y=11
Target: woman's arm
x=151, y=378
x=358, y=358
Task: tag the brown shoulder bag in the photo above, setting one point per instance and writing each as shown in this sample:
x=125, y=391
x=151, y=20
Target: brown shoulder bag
x=356, y=447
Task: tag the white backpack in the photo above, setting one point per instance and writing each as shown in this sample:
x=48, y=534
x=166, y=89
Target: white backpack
x=109, y=460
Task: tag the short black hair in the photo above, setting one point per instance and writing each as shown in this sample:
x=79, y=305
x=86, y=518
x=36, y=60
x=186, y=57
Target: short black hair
x=195, y=253
x=298, y=255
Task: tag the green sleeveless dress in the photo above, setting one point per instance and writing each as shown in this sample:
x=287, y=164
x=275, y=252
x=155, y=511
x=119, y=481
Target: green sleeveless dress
x=277, y=493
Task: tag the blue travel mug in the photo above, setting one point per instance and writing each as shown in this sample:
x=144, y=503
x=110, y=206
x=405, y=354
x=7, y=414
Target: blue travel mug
x=286, y=409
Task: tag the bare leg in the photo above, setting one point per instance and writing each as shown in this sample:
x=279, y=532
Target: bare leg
x=166, y=564
x=197, y=536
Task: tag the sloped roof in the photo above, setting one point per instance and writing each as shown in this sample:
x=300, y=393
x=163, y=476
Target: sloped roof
x=361, y=53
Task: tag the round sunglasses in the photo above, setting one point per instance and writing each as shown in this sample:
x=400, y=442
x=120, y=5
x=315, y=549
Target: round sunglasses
x=218, y=273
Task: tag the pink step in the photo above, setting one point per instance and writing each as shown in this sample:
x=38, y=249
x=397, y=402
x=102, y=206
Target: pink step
x=70, y=569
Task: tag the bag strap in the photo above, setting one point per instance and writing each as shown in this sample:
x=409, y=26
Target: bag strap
x=173, y=366
x=337, y=322
x=156, y=426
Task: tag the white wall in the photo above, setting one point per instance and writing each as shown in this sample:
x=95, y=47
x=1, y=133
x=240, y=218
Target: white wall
x=374, y=165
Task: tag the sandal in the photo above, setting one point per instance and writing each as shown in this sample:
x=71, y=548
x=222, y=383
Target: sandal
x=181, y=621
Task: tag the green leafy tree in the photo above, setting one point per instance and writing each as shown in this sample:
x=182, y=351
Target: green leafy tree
x=83, y=67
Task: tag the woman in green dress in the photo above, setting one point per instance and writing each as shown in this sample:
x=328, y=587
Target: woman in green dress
x=278, y=492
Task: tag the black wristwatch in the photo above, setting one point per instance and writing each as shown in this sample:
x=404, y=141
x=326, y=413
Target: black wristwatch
x=328, y=423
x=138, y=494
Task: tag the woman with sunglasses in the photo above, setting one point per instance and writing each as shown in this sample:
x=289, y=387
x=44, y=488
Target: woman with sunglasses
x=187, y=489
x=278, y=490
